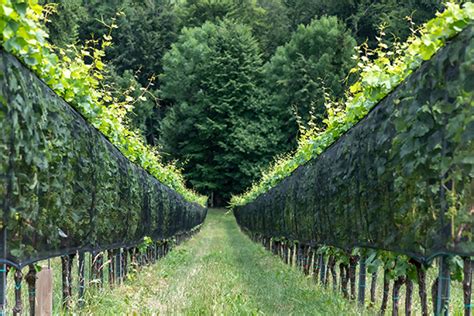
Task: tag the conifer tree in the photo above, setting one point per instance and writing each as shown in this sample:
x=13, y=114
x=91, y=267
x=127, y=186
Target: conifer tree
x=218, y=127
x=317, y=58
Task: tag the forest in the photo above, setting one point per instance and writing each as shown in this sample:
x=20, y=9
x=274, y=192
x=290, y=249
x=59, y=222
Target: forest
x=258, y=74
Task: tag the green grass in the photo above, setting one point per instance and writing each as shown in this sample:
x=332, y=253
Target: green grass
x=219, y=271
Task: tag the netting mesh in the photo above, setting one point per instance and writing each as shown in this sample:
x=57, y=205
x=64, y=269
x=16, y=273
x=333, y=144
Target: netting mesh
x=400, y=180
x=65, y=187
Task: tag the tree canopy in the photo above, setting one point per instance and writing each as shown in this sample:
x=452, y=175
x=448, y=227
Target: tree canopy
x=218, y=128
x=317, y=57
x=232, y=81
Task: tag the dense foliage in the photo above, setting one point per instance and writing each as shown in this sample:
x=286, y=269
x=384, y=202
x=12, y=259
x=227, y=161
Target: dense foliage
x=78, y=83
x=379, y=185
x=147, y=29
x=65, y=187
x=217, y=127
x=377, y=78
x=314, y=62
x=365, y=17
x=398, y=181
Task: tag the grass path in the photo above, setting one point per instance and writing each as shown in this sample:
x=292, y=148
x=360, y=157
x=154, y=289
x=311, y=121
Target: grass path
x=219, y=271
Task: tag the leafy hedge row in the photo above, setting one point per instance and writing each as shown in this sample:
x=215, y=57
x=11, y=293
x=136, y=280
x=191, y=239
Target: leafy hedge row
x=65, y=187
x=399, y=180
x=78, y=83
x=376, y=80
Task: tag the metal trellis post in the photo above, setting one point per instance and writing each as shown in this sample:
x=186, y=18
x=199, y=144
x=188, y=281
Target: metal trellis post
x=442, y=304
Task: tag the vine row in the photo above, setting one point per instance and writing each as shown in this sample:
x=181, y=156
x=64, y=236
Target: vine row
x=400, y=181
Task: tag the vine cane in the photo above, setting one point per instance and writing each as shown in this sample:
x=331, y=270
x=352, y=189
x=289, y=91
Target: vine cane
x=18, y=308
x=30, y=279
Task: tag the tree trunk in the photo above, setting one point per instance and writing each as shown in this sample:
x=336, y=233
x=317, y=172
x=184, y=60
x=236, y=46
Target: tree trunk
x=352, y=275
x=18, y=308
x=299, y=256
x=396, y=294
x=290, y=255
x=344, y=272
x=322, y=269
x=111, y=259
x=315, y=265
x=30, y=278
x=373, y=288
x=386, y=290
x=100, y=268
x=422, y=288
x=332, y=269
x=408, y=296
x=66, y=265
x=307, y=260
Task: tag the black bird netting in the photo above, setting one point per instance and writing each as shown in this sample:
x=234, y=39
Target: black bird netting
x=400, y=180
x=64, y=187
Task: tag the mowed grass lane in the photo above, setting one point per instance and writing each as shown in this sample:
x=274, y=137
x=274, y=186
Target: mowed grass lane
x=219, y=271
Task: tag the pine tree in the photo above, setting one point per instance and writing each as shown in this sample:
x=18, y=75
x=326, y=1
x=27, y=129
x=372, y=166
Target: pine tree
x=217, y=127
x=317, y=58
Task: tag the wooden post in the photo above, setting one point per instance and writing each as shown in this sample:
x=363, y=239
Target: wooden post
x=290, y=254
x=293, y=254
x=94, y=274
x=30, y=279
x=18, y=308
x=44, y=290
